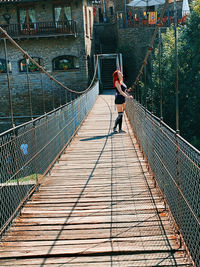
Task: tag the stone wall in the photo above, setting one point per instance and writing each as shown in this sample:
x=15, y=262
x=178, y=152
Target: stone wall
x=88, y=35
x=133, y=44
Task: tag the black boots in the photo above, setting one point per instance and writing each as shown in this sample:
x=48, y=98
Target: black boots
x=118, y=121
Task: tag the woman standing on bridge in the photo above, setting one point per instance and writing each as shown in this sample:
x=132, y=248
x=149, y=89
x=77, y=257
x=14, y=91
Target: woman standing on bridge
x=120, y=98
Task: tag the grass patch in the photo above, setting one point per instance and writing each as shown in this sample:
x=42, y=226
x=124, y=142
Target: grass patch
x=30, y=178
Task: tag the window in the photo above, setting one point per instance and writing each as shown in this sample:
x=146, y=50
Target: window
x=100, y=15
x=111, y=10
x=3, y=68
x=27, y=19
x=65, y=63
x=86, y=21
x=62, y=16
x=31, y=66
x=90, y=23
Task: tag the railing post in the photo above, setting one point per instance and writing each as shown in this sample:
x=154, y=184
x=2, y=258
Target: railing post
x=60, y=97
x=179, y=186
x=152, y=103
x=28, y=86
x=65, y=96
x=18, y=169
x=99, y=74
x=43, y=93
x=145, y=86
x=52, y=90
x=141, y=94
x=62, y=133
x=136, y=92
x=153, y=151
x=8, y=79
x=35, y=152
x=162, y=163
x=177, y=122
x=47, y=136
x=160, y=77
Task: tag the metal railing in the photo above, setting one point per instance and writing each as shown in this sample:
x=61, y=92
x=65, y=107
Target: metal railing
x=136, y=19
x=176, y=166
x=40, y=28
x=28, y=152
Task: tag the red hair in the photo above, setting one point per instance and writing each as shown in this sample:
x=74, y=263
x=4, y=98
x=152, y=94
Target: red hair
x=116, y=77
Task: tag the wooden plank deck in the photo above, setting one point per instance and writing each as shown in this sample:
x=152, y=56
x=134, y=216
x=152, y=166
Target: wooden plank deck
x=98, y=207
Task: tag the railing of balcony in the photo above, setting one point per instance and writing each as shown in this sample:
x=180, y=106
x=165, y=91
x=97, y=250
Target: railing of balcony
x=41, y=28
x=137, y=19
x=176, y=166
x=28, y=151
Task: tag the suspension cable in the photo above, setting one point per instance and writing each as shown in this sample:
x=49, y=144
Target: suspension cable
x=158, y=25
x=43, y=93
x=26, y=55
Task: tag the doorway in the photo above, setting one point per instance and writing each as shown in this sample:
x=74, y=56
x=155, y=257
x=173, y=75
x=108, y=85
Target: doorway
x=107, y=64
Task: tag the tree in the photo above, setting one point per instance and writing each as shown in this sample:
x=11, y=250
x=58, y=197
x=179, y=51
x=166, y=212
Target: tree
x=189, y=77
x=167, y=77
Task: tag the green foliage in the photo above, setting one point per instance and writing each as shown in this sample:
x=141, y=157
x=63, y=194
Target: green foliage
x=31, y=178
x=166, y=79
x=189, y=58
x=32, y=67
x=189, y=77
x=197, y=7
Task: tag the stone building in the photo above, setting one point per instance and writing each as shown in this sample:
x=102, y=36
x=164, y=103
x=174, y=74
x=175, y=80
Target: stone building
x=104, y=11
x=57, y=34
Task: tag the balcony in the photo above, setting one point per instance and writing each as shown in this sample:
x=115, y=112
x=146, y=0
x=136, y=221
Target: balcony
x=135, y=19
x=40, y=29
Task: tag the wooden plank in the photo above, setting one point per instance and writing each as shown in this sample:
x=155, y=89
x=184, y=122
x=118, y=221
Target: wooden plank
x=31, y=229
x=152, y=240
x=88, y=233
x=157, y=259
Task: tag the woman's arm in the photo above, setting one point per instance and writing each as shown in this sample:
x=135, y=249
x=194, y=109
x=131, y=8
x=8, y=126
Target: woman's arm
x=118, y=86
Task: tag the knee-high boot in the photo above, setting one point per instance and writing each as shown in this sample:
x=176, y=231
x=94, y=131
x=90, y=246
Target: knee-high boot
x=118, y=121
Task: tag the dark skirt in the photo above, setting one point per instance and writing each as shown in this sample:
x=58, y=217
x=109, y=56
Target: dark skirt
x=119, y=99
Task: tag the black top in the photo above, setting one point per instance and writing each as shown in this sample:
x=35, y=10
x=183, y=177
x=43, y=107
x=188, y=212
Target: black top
x=120, y=99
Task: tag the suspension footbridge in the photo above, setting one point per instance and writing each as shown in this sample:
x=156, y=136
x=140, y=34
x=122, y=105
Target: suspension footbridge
x=74, y=193
x=99, y=206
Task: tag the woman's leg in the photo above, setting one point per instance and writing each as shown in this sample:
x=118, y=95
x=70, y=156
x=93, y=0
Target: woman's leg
x=121, y=119
x=118, y=121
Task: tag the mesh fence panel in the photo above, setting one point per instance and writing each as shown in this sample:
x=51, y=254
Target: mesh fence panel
x=28, y=151
x=176, y=166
